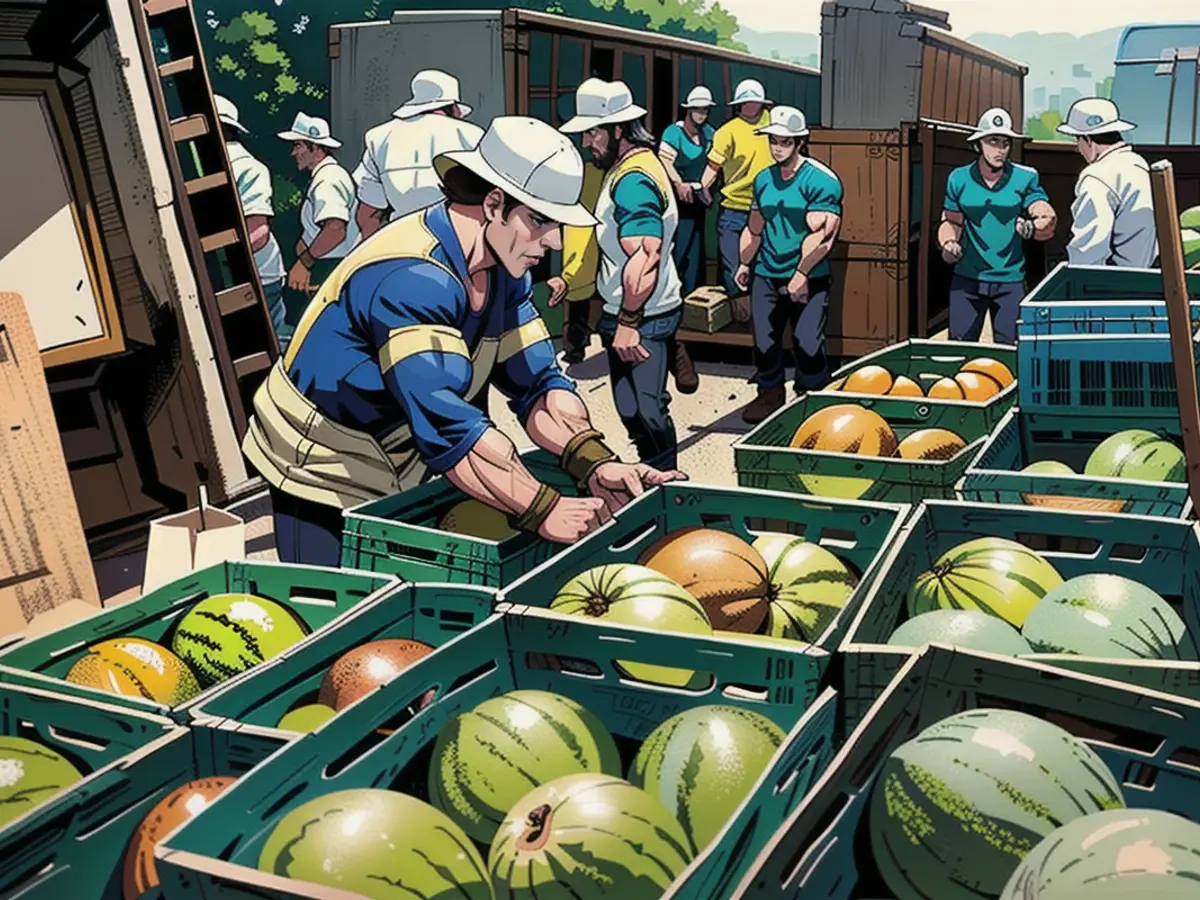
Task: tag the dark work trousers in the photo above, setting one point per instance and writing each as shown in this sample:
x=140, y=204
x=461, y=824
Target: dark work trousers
x=689, y=251
x=730, y=225
x=306, y=532
x=576, y=328
x=971, y=300
x=640, y=391
x=773, y=309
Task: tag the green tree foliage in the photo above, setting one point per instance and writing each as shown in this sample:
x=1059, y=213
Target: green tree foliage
x=1104, y=88
x=1044, y=127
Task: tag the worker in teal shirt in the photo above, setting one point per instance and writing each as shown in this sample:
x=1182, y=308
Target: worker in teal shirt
x=794, y=220
x=992, y=207
x=684, y=154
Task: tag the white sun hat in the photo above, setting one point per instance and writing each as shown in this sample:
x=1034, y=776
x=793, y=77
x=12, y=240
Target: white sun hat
x=531, y=162
x=599, y=102
x=313, y=129
x=698, y=98
x=227, y=113
x=786, y=121
x=749, y=91
x=995, y=121
x=432, y=89
x=1093, y=115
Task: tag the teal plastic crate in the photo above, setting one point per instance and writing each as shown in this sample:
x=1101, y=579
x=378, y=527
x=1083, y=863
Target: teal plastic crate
x=94, y=737
x=77, y=849
x=1163, y=554
x=1024, y=438
x=398, y=535
x=1148, y=740
x=431, y=613
x=926, y=361
x=1100, y=300
x=377, y=742
x=858, y=533
x=317, y=595
x=764, y=459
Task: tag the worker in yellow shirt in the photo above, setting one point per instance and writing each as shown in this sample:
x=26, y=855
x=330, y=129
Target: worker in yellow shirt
x=576, y=285
x=739, y=152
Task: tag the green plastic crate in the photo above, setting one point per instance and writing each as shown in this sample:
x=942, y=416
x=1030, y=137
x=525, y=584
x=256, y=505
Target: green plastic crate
x=93, y=736
x=858, y=533
x=925, y=361
x=1163, y=554
x=431, y=613
x=1147, y=739
x=375, y=740
x=398, y=535
x=764, y=459
x=1022, y=438
x=317, y=595
x=77, y=850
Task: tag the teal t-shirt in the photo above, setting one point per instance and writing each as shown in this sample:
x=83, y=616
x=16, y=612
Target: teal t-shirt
x=690, y=157
x=784, y=205
x=638, y=206
x=992, y=249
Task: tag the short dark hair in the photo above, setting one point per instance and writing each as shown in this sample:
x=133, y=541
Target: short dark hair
x=463, y=187
x=1107, y=138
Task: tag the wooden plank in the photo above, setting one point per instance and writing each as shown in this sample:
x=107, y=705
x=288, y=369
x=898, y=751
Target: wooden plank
x=44, y=561
x=177, y=67
x=235, y=299
x=928, y=59
x=160, y=7
x=252, y=364
x=188, y=128
x=954, y=109
x=928, y=231
x=864, y=290
x=869, y=172
x=217, y=241
x=206, y=183
x=941, y=91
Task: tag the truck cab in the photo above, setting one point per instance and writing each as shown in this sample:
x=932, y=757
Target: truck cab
x=1156, y=82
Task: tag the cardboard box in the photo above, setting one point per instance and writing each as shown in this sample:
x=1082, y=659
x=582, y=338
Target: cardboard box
x=706, y=309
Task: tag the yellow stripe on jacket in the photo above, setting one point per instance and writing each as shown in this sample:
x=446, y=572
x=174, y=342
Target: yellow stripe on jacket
x=581, y=253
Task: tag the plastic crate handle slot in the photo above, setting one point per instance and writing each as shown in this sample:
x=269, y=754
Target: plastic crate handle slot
x=74, y=738
x=114, y=797
x=48, y=835
x=380, y=734
x=631, y=538
x=805, y=764
x=403, y=551
x=815, y=843
x=327, y=597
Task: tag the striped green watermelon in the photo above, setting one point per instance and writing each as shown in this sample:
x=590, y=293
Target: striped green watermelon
x=587, y=837
x=229, y=634
x=809, y=586
x=1108, y=616
x=968, y=628
x=486, y=760
x=993, y=575
x=1191, y=247
x=377, y=844
x=703, y=763
x=1121, y=854
x=956, y=809
x=30, y=774
x=628, y=594
x=1137, y=454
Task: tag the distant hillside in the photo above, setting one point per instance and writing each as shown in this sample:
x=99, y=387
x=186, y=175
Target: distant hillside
x=789, y=46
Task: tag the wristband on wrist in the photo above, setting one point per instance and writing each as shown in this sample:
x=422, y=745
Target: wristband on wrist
x=539, y=510
x=630, y=318
x=583, y=454
x=306, y=258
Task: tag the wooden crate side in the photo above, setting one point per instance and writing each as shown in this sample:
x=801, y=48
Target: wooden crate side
x=869, y=294
x=954, y=110
x=868, y=164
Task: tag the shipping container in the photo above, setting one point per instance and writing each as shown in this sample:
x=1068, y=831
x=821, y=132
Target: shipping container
x=1157, y=82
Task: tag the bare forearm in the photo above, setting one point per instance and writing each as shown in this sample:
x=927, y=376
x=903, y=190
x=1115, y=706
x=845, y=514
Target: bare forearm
x=259, y=232
x=748, y=246
x=332, y=233
x=813, y=249
x=494, y=474
x=556, y=418
x=639, y=278
x=369, y=219
x=709, y=178
x=948, y=231
x=672, y=172
x=1045, y=223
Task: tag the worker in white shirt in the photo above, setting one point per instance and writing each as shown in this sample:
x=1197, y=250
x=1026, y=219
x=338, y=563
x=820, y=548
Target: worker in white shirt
x=1113, y=210
x=253, y=181
x=328, y=230
x=396, y=175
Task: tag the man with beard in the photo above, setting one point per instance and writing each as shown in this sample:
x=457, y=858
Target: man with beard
x=375, y=391
x=992, y=206
x=637, y=279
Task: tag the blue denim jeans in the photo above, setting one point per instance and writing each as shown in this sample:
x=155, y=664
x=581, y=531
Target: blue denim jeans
x=772, y=309
x=640, y=391
x=689, y=250
x=306, y=533
x=730, y=225
x=273, y=291
x=971, y=300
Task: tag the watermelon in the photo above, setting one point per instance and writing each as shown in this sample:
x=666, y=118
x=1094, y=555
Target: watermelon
x=309, y=717
x=992, y=575
x=809, y=586
x=588, y=837
x=1137, y=454
x=1108, y=616
x=1120, y=854
x=968, y=628
x=377, y=844
x=1048, y=467
x=229, y=634
x=486, y=760
x=703, y=763
x=1191, y=247
x=955, y=810
x=30, y=774
x=626, y=594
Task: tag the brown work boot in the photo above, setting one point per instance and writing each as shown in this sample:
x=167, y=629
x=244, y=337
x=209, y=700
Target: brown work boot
x=683, y=370
x=764, y=405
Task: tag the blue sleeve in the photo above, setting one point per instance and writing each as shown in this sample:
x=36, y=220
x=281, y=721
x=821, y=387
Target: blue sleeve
x=953, y=193
x=526, y=364
x=672, y=137
x=1034, y=191
x=413, y=318
x=638, y=207
x=760, y=185
x=823, y=193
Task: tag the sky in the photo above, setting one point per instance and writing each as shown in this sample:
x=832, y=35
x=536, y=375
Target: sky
x=969, y=17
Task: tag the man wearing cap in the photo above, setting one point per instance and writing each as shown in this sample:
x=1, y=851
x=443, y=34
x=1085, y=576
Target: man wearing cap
x=992, y=206
x=1113, y=212
x=739, y=153
x=253, y=181
x=637, y=279
x=328, y=230
x=684, y=153
x=794, y=220
x=396, y=174
x=374, y=393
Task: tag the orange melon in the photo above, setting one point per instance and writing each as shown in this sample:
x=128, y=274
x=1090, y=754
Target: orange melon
x=846, y=429
x=945, y=389
x=904, y=386
x=835, y=385
x=869, y=380
x=976, y=387
x=931, y=445
x=992, y=368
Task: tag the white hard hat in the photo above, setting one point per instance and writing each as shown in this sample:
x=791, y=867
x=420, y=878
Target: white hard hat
x=529, y=161
x=698, y=98
x=995, y=121
x=786, y=121
x=227, y=113
x=313, y=129
x=432, y=89
x=1093, y=115
x=599, y=102
x=749, y=91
